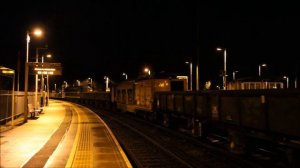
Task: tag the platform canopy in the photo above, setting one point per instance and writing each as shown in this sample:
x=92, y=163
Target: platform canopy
x=6, y=71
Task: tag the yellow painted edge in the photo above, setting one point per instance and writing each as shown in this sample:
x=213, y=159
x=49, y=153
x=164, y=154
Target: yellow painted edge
x=75, y=143
x=128, y=164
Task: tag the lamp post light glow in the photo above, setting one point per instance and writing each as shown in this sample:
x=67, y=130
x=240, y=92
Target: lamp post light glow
x=124, y=74
x=259, y=68
x=225, y=67
x=147, y=70
x=191, y=75
x=36, y=32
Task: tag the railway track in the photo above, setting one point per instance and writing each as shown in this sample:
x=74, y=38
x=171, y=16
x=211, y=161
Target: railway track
x=149, y=145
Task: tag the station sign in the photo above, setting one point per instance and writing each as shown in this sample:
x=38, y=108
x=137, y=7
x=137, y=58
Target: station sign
x=46, y=68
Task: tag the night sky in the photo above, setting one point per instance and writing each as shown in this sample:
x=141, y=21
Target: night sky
x=97, y=38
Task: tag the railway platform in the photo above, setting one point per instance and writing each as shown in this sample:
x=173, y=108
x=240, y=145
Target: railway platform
x=64, y=135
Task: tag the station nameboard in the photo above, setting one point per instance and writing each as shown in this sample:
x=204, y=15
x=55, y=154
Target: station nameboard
x=45, y=68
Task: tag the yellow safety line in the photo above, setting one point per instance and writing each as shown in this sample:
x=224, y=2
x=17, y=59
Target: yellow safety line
x=128, y=164
x=72, y=155
x=75, y=143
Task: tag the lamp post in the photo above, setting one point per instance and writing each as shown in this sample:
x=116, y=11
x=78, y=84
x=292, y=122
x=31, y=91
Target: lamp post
x=36, y=32
x=47, y=97
x=225, y=67
x=36, y=76
x=233, y=75
x=287, y=81
x=48, y=87
x=147, y=70
x=197, y=77
x=124, y=74
x=42, y=84
x=191, y=75
x=259, y=68
x=66, y=84
x=78, y=82
x=106, y=81
x=91, y=83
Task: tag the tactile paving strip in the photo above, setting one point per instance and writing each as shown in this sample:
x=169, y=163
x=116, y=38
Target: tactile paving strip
x=84, y=153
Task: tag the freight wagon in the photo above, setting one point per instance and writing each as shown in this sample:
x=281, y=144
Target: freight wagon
x=269, y=115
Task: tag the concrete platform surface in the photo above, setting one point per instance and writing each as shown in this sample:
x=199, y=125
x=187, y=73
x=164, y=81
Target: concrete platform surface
x=64, y=135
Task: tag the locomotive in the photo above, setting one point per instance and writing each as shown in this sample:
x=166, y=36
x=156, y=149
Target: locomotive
x=138, y=96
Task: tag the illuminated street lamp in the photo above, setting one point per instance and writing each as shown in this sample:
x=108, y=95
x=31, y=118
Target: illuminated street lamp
x=36, y=76
x=106, y=81
x=147, y=70
x=124, y=74
x=259, y=68
x=233, y=74
x=47, y=84
x=38, y=33
x=287, y=81
x=65, y=84
x=91, y=83
x=78, y=82
x=191, y=75
x=225, y=68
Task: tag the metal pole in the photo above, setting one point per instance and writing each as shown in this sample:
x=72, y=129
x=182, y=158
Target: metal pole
x=259, y=70
x=36, y=80
x=92, y=84
x=48, y=89
x=287, y=82
x=233, y=76
x=191, y=76
x=18, y=69
x=197, y=77
x=106, y=83
x=225, y=68
x=13, y=102
x=42, y=85
x=26, y=78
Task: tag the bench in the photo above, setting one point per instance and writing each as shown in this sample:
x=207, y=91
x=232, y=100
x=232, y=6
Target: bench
x=32, y=111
